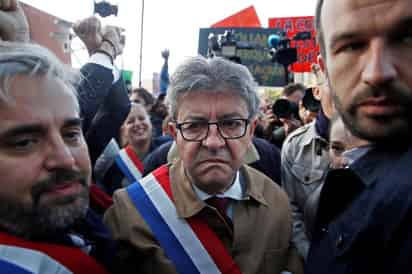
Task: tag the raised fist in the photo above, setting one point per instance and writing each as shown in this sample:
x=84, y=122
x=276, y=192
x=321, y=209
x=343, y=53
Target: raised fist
x=113, y=35
x=13, y=22
x=165, y=54
x=89, y=31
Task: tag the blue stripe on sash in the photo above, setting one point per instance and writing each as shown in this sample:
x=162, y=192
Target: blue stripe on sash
x=120, y=163
x=11, y=268
x=168, y=241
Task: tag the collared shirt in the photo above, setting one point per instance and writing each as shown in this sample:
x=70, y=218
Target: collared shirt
x=104, y=61
x=234, y=192
x=366, y=214
x=356, y=153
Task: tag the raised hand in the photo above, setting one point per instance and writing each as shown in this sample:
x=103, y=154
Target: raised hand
x=13, y=22
x=165, y=54
x=90, y=32
x=113, y=37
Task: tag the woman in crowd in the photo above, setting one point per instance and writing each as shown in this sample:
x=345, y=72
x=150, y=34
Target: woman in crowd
x=154, y=106
x=137, y=143
x=137, y=133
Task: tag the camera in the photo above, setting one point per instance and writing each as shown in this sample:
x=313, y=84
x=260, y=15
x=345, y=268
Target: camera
x=310, y=102
x=226, y=45
x=280, y=50
x=284, y=108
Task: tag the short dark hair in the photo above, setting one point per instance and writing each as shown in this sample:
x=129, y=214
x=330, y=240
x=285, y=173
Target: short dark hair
x=147, y=97
x=318, y=27
x=291, y=88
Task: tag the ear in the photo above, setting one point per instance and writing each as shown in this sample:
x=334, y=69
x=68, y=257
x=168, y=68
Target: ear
x=252, y=126
x=172, y=129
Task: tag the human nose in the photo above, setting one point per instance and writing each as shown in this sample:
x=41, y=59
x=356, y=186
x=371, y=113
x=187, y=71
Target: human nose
x=59, y=155
x=380, y=66
x=214, y=139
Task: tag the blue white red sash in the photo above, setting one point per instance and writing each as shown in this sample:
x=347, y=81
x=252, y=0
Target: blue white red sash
x=12, y=268
x=189, y=243
x=41, y=257
x=18, y=260
x=130, y=164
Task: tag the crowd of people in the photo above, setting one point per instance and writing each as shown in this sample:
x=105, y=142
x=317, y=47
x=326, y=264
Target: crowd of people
x=206, y=177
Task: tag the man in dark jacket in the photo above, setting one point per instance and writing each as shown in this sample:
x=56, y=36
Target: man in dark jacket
x=103, y=96
x=45, y=169
x=364, y=218
x=46, y=223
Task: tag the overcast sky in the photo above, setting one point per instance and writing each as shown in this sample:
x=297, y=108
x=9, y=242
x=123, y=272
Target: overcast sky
x=168, y=24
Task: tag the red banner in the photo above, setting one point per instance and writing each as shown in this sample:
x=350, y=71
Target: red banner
x=307, y=48
x=246, y=18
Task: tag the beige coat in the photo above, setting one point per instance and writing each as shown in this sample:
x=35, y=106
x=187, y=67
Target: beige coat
x=260, y=242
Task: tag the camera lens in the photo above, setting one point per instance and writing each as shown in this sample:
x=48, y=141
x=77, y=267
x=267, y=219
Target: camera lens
x=284, y=108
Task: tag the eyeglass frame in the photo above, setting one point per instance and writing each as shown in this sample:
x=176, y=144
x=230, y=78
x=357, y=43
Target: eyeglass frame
x=245, y=120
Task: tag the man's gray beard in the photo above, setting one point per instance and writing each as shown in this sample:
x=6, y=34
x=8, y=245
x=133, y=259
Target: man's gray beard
x=42, y=221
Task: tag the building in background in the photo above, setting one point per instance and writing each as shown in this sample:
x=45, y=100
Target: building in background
x=49, y=31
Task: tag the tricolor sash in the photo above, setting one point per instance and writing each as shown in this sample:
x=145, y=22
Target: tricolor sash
x=72, y=258
x=12, y=268
x=129, y=164
x=18, y=260
x=189, y=243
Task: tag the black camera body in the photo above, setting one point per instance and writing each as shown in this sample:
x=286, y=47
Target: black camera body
x=286, y=109
x=309, y=102
x=226, y=45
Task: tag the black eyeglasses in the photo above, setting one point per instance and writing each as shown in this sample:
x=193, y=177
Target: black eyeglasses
x=197, y=131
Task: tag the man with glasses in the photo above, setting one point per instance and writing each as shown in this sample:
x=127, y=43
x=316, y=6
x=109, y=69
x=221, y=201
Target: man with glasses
x=206, y=212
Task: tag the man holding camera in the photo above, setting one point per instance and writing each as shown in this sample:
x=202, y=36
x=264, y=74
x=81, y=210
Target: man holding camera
x=305, y=160
x=283, y=118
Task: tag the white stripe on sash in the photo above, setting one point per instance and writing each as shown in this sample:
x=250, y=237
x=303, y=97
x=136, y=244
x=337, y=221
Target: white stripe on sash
x=32, y=260
x=130, y=165
x=179, y=226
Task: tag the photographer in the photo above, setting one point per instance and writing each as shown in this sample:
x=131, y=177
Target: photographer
x=284, y=118
x=309, y=106
x=305, y=161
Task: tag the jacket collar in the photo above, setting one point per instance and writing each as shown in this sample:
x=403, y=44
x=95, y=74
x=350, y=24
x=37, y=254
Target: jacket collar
x=189, y=204
x=378, y=162
x=311, y=135
x=254, y=190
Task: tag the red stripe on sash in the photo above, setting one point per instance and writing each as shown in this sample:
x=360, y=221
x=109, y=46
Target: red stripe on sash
x=73, y=258
x=207, y=236
x=133, y=156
